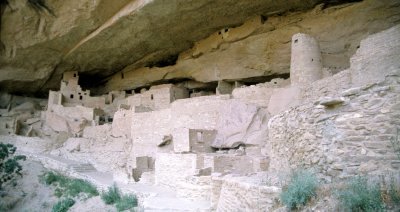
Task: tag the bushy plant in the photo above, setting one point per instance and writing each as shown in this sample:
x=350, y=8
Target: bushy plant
x=126, y=202
x=112, y=195
x=394, y=193
x=301, y=188
x=67, y=186
x=122, y=202
x=50, y=178
x=77, y=186
x=9, y=164
x=63, y=205
x=359, y=195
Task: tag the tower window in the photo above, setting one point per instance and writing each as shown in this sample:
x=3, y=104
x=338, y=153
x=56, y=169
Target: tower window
x=80, y=97
x=71, y=96
x=151, y=97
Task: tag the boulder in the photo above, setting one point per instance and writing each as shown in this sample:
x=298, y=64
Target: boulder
x=240, y=123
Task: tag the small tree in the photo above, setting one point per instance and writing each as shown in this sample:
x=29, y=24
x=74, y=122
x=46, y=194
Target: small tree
x=9, y=164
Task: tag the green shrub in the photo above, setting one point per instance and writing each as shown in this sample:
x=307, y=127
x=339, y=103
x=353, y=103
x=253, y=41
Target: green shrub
x=301, y=188
x=67, y=186
x=394, y=193
x=9, y=164
x=359, y=195
x=112, y=195
x=126, y=202
x=50, y=178
x=77, y=186
x=63, y=205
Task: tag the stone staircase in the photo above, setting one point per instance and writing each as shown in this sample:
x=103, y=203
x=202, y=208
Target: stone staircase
x=82, y=167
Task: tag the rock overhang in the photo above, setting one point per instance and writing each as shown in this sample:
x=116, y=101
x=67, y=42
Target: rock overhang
x=101, y=38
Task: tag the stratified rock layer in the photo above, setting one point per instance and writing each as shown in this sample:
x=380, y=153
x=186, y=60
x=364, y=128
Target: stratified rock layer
x=102, y=37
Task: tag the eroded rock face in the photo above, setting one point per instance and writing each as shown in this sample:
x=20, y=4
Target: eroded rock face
x=240, y=123
x=101, y=37
x=262, y=48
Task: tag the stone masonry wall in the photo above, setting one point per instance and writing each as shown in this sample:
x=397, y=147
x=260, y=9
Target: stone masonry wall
x=195, y=113
x=172, y=169
x=378, y=55
x=238, y=195
x=122, y=122
x=343, y=139
x=148, y=130
x=259, y=94
x=343, y=124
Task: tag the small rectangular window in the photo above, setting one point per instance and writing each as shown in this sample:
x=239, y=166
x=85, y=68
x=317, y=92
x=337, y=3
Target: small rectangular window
x=199, y=136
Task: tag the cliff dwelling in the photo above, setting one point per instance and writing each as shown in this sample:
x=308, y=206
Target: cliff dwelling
x=200, y=105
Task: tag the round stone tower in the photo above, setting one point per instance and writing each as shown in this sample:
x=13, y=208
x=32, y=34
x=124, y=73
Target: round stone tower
x=306, y=61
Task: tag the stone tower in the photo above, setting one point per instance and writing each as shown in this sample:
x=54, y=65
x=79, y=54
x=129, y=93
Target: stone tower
x=306, y=61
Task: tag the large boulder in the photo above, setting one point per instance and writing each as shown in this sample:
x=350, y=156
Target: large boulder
x=241, y=123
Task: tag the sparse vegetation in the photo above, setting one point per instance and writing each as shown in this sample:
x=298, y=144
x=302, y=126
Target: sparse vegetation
x=68, y=187
x=122, y=202
x=112, y=195
x=126, y=202
x=394, y=192
x=51, y=178
x=360, y=195
x=301, y=188
x=63, y=205
x=9, y=164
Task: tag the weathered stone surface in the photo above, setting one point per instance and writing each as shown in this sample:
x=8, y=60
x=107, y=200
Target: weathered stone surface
x=342, y=143
x=240, y=123
x=39, y=47
x=167, y=139
x=78, y=34
x=234, y=193
x=382, y=51
x=122, y=122
x=352, y=137
x=265, y=49
x=330, y=101
x=172, y=169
